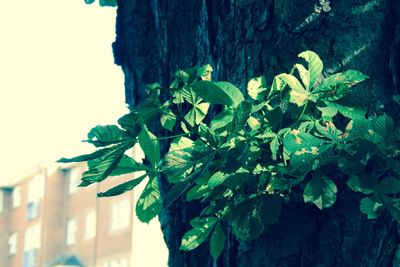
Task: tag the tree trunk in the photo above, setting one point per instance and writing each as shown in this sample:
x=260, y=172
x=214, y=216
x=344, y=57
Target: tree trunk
x=244, y=39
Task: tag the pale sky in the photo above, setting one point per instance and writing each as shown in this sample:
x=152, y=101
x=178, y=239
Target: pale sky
x=57, y=80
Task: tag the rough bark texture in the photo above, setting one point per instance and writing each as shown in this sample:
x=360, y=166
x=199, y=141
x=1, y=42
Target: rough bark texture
x=243, y=39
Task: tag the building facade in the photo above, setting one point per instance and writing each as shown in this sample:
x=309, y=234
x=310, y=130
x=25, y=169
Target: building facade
x=47, y=220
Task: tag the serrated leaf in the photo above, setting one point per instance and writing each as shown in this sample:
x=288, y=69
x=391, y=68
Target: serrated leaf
x=149, y=203
x=196, y=236
x=274, y=146
x=122, y=188
x=89, y=2
x=176, y=163
x=246, y=223
x=370, y=208
x=383, y=129
x=218, y=93
x=315, y=66
x=150, y=146
x=240, y=116
x=304, y=75
x=217, y=241
x=337, y=85
x=197, y=113
x=204, y=72
x=97, y=154
x=168, y=120
x=296, y=141
x=293, y=83
x=128, y=165
x=130, y=122
x=321, y=191
x=101, y=167
x=106, y=135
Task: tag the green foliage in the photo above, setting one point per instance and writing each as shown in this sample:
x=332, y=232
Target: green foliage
x=244, y=158
x=110, y=3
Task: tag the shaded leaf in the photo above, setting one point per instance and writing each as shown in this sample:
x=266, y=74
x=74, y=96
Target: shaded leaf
x=150, y=146
x=128, y=165
x=150, y=203
x=106, y=135
x=321, y=191
x=122, y=188
x=202, y=228
x=218, y=93
x=370, y=208
x=217, y=241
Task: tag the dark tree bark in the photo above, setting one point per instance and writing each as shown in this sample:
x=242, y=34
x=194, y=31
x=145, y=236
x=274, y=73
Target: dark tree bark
x=244, y=39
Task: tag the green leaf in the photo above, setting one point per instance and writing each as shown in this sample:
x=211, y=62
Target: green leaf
x=101, y=167
x=246, y=221
x=217, y=179
x=168, y=120
x=337, y=85
x=89, y=2
x=106, y=135
x=204, y=72
x=218, y=93
x=197, y=192
x=293, y=82
x=150, y=146
x=256, y=88
x=130, y=122
x=128, y=165
x=111, y=3
x=304, y=75
x=383, y=129
x=150, y=203
x=217, y=241
x=274, y=146
x=202, y=228
x=370, y=208
x=389, y=185
x=222, y=119
x=359, y=184
x=241, y=115
x=321, y=191
x=122, y=188
x=296, y=141
x=197, y=113
x=97, y=154
x=392, y=205
x=176, y=163
x=315, y=66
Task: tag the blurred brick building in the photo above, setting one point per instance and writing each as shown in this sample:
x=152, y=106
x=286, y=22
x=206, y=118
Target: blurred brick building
x=46, y=220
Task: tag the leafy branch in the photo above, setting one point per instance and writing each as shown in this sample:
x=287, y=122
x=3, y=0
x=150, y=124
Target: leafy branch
x=253, y=155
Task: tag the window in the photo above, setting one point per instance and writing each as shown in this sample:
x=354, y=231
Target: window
x=32, y=238
x=74, y=177
x=90, y=225
x=30, y=258
x=120, y=215
x=13, y=244
x=32, y=210
x=36, y=188
x=16, y=197
x=71, y=232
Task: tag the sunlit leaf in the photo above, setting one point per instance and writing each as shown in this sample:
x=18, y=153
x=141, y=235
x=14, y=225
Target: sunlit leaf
x=150, y=203
x=315, y=66
x=202, y=228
